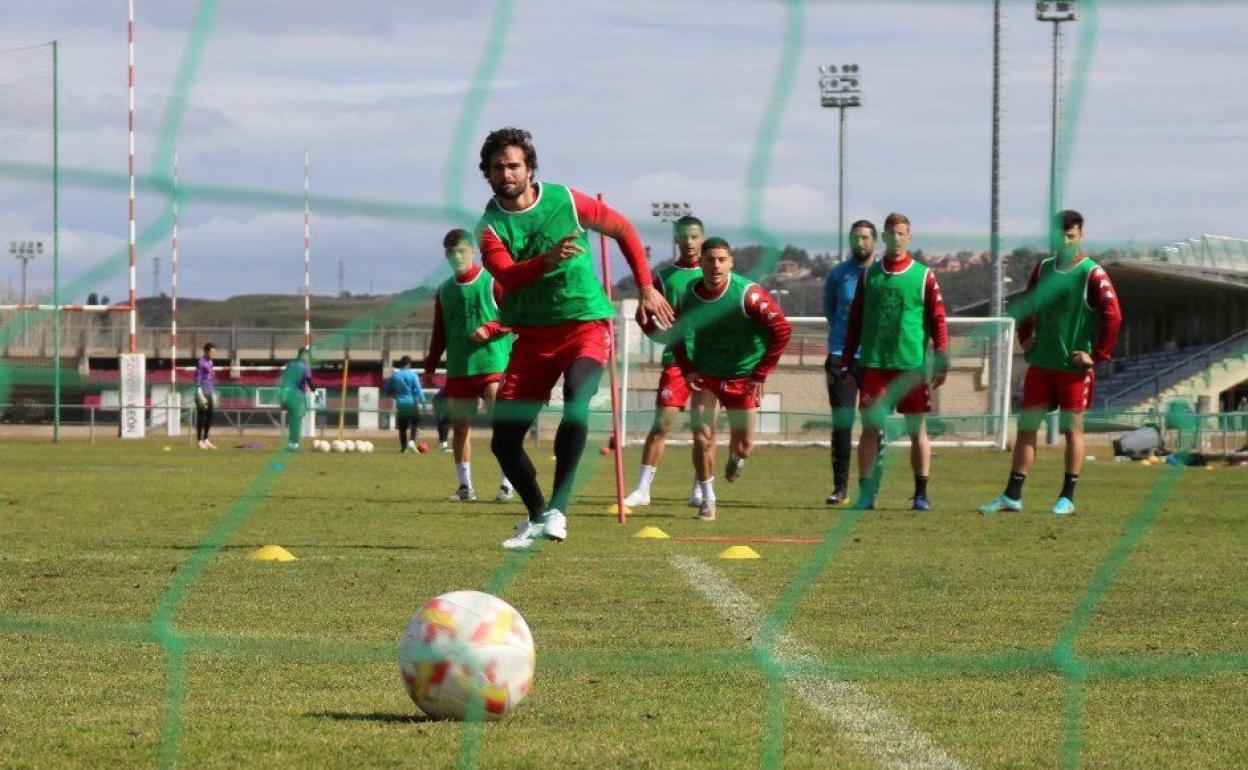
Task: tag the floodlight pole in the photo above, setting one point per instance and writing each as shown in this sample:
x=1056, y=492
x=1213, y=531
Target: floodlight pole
x=840, y=87
x=1055, y=12
x=997, y=350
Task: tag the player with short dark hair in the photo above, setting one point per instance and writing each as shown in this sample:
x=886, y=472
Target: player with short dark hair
x=737, y=333
x=896, y=314
x=838, y=295
x=1069, y=321
x=672, y=394
x=205, y=396
x=465, y=325
x=534, y=242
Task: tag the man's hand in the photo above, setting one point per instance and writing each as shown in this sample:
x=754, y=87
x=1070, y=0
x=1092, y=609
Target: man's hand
x=939, y=377
x=756, y=391
x=841, y=366
x=566, y=249
x=426, y=380
x=694, y=381
x=1082, y=359
x=654, y=305
x=1028, y=344
x=480, y=334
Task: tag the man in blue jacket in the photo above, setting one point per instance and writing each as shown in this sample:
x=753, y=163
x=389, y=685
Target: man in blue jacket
x=404, y=385
x=838, y=295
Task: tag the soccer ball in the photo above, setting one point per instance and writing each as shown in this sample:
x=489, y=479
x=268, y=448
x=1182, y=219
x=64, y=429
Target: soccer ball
x=467, y=655
x=337, y=446
x=320, y=446
x=422, y=447
x=349, y=445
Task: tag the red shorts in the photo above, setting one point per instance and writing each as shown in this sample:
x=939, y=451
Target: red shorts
x=875, y=382
x=673, y=390
x=733, y=392
x=470, y=387
x=541, y=354
x=1054, y=388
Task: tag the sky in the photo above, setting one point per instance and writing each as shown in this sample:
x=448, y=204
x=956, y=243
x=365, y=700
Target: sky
x=641, y=101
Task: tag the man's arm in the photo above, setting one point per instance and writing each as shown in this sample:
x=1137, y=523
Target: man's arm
x=1027, y=324
x=767, y=313
x=437, y=340
x=503, y=266
x=1103, y=299
x=937, y=327
x=853, y=328
x=596, y=215
x=829, y=297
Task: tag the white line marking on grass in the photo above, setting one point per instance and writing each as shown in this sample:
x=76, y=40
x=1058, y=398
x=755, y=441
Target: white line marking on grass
x=863, y=719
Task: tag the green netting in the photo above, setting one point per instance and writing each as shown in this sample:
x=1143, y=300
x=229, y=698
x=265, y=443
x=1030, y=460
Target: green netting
x=25, y=166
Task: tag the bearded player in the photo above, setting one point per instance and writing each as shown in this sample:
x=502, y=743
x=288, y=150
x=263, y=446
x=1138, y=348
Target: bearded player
x=1070, y=324
x=672, y=396
x=737, y=333
x=897, y=312
x=465, y=325
x=534, y=242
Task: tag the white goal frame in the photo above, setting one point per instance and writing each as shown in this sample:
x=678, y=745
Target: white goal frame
x=628, y=332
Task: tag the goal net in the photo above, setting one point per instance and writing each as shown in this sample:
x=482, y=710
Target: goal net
x=966, y=411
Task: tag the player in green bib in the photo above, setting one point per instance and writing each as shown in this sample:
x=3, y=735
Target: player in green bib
x=672, y=394
x=728, y=338
x=293, y=392
x=534, y=241
x=1068, y=322
x=466, y=326
x=896, y=314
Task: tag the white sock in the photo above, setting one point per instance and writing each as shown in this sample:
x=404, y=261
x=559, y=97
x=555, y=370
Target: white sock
x=738, y=459
x=505, y=484
x=646, y=477
x=464, y=471
x=697, y=486
x=708, y=488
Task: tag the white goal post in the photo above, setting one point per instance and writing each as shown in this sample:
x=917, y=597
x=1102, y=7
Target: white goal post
x=795, y=410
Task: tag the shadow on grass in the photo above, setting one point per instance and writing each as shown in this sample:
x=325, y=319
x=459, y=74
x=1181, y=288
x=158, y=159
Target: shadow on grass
x=371, y=716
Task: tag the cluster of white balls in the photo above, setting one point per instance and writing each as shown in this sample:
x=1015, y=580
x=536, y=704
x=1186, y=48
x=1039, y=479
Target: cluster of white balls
x=364, y=447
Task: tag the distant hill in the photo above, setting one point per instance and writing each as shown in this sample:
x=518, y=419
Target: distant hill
x=285, y=311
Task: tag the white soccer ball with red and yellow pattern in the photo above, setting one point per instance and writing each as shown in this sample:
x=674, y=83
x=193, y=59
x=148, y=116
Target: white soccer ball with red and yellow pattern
x=467, y=655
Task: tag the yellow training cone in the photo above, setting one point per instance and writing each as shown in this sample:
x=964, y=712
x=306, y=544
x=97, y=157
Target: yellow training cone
x=271, y=553
x=652, y=532
x=615, y=508
x=739, y=552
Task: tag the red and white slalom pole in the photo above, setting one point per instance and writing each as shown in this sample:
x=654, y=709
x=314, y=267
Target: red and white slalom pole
x=173, y=286
x=133, y=253
x=307, y=259
x=617, y=441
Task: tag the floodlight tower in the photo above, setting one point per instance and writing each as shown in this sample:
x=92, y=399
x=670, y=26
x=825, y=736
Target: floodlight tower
x=670, y=211
x=840, y=88
x=25, y=251
x=1055, y=12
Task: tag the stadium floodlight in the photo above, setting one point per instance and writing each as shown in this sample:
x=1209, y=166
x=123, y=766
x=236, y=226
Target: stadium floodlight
x=840, y=87
x=670, y=211
x=1055, y=12
x=25, y=251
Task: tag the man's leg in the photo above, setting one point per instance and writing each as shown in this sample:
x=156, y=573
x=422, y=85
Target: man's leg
x=295, y=408
x=511, y=421
x=489, y=393
x=652, y=453
x=1072, y=427
x=704, y=410
x=580, y=383
x=920, y=457
x=842, y=397
x=208, y=413
x=740, y=439
x=401, y=421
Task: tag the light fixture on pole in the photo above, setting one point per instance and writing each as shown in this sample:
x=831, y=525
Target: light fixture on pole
x=670, y=211
x=1055, y=12
x=840, y=87
x=25, y=251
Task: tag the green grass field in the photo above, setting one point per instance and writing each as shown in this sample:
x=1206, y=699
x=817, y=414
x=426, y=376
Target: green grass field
x=134, y=632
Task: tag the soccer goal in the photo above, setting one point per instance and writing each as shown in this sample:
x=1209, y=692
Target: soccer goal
x=967, y=410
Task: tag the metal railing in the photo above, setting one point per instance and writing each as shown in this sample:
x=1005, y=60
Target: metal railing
x=1153, y=385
